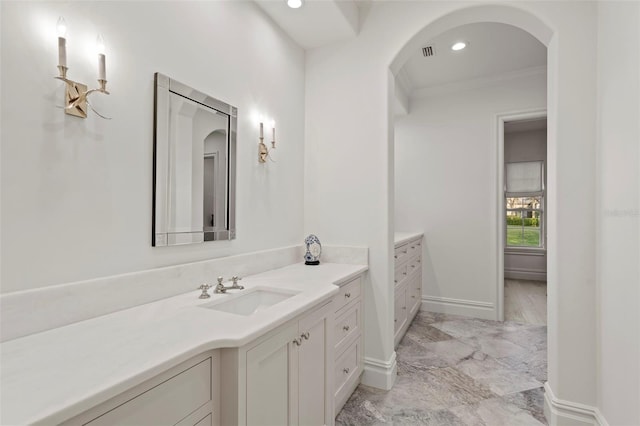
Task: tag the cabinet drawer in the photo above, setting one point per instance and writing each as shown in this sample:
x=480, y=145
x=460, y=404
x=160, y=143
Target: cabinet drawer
x=347, y=325
x=347, y=367
x=401, y=253
x=348, y=292
x=415, y=248
x=413, y=266
x=166, y=403
x=207, y=421
x=414, y=295
x=400, y=274
x=400, y=311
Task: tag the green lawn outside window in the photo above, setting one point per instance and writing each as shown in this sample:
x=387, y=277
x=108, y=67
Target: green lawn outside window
x=523, y=236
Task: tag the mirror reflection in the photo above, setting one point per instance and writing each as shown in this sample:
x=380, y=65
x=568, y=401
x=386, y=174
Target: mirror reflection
x=194, y=179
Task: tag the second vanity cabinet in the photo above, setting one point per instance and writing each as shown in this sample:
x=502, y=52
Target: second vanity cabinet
x=408, y=284
x=281, y=378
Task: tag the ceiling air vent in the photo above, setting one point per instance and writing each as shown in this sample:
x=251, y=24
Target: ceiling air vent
x=428, y=51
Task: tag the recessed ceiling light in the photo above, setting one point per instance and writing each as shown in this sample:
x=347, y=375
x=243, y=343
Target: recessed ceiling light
x=294, y=4
x=459, y=45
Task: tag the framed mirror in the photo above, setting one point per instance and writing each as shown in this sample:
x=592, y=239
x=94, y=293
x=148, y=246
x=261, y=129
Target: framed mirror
x=194, y=166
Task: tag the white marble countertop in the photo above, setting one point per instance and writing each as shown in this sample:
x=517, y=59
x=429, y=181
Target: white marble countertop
x=52, y=376
x=403, y=237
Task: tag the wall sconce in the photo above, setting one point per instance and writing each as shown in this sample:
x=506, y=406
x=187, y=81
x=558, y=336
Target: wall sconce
x=76, y=94
x=263, y=151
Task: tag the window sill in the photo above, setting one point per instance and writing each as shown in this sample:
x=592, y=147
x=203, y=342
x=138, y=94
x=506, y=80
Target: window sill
x=526, y=251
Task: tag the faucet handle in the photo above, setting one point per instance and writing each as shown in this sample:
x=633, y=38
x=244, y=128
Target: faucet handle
x=235, y=280
x=204, y=288
x=220, y=280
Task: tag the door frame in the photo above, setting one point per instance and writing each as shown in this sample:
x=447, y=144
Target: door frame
x=501, y=119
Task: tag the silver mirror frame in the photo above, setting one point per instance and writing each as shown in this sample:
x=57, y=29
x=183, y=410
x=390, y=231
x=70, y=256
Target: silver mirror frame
x=160, y=236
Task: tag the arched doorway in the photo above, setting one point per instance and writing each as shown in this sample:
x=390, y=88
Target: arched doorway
x=535, y=26
x=485, y=14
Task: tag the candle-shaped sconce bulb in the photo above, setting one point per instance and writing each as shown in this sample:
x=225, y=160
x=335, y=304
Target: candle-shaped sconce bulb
x=261, y=129
x=273, y=134
x=61, y=28
x=102, y=69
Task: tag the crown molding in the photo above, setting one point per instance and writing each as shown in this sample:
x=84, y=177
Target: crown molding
x=476, y=83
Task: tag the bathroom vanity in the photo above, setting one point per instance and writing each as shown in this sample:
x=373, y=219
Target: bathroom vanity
x=407, y=281
x=189, y=361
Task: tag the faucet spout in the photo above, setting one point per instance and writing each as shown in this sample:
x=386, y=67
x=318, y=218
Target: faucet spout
x=220, y=288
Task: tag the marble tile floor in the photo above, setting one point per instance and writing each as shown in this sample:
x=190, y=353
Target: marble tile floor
x=525, y=301
x=459, y=371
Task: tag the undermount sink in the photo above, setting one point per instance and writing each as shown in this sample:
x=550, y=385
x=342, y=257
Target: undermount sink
x=250, y=303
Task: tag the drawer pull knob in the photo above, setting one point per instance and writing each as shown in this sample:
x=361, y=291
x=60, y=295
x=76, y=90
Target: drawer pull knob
x=297, y=342
x=413, y=266
x=404, y=252
x=347, y=295
x=404, y=308
x=413, y=297
x=395, y=320
x=346, y=371
x=395, y=281
x=413, y=247
x=305, y=336
x=346, y=328
x=395, y=256
x=404, y=273
x=418, y=260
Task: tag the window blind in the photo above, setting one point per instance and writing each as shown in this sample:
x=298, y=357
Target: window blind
x=524, y=178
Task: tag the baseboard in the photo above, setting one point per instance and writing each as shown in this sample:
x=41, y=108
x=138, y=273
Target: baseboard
x=523, y=274
x=467, y=308
x=560, y=412
x=380, y=374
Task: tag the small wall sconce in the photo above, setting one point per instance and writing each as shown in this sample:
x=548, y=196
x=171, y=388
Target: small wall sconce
x=263, y=151
x=77, y=94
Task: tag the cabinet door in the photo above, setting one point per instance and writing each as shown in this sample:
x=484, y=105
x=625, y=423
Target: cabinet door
x=270, y=379
x=315, y=360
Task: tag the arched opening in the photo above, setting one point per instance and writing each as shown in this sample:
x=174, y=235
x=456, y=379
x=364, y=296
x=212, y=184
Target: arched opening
x=526, y=22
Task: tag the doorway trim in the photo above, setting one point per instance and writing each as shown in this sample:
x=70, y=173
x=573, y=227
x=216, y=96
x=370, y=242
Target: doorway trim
x=501, y=119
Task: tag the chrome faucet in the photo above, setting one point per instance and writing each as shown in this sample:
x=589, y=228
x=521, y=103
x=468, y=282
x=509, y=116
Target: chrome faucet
x=235, y=285
x=204, y=288
x=220, y=288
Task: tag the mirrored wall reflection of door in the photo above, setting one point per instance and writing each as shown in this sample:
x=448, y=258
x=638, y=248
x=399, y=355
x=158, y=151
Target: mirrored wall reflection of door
x=194, y=166
x=214, y=206
x=197, y=192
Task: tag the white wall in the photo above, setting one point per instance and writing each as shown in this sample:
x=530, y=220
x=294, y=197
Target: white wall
x=618, y=211
x=445, y=167
x=348, y=135
x=527, y=146
x=77, y=194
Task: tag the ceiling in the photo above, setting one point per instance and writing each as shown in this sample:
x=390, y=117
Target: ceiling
x=492, y=50
x=317, y=22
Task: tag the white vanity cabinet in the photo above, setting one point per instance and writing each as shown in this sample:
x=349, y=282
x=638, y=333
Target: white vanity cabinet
x=282, y=378
x=348, y=342
x=186, y=395
x=407, y=283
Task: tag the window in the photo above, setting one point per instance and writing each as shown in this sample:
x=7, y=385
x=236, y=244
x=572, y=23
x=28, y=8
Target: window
x=524, y=220
x=524, y=201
